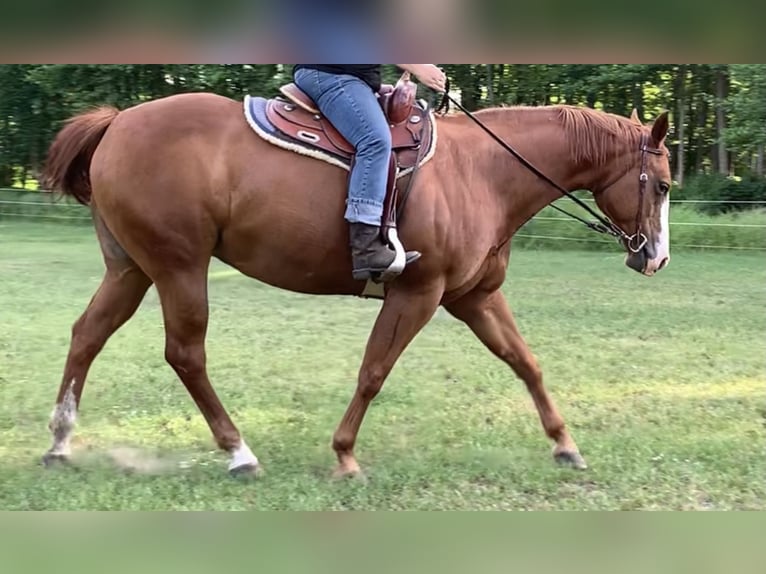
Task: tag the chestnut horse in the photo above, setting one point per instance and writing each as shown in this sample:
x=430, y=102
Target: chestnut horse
x=176, y=181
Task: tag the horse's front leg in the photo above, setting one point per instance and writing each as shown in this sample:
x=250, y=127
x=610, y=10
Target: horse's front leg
x=487, y=314
x=403, y=315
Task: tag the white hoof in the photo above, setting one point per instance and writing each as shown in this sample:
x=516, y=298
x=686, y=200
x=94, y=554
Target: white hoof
x=62, y=423
x=243, y=461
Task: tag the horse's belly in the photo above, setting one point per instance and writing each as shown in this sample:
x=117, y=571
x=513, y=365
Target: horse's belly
x=298, y=278
x=291, y=250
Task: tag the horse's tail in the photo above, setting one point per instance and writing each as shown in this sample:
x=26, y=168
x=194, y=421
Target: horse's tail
x=67, y=168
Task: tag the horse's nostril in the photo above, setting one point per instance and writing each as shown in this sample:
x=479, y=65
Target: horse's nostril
x=663, y=264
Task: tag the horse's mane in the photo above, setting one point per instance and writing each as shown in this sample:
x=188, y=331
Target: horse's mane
x=595, y=137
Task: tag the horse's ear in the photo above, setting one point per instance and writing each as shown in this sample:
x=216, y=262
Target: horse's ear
x=660, y=128
x=634, y=117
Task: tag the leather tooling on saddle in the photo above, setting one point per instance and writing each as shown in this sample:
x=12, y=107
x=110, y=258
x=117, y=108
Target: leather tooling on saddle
x=292, y=122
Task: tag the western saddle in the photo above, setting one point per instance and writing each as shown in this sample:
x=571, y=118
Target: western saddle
x=299, y=117
x=294, y=122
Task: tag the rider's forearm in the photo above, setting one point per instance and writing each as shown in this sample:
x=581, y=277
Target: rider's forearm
x=428, y=74
x=411, y=68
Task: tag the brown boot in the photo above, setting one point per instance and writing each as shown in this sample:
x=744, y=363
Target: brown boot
x=370, y=256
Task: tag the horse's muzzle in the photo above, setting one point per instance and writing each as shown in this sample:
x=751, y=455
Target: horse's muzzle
x=645, y=261
x=637, y=261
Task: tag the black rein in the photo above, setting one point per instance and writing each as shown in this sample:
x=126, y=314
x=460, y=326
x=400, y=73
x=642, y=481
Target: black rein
x=602, y=224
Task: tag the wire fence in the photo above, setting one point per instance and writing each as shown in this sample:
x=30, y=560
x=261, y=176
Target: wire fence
x=544, y=229
x=601, y=241
x=706, y=201
x=672, y=223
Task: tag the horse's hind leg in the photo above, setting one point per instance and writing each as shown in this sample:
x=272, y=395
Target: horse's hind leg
x=121, y=292
x=489, y=317
x=183, y=295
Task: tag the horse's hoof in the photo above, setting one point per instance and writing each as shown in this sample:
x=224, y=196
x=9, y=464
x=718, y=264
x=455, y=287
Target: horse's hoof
x=349, y=473
x=350, y=477
x=52, y=459
x=571, y=459
x=246, y=471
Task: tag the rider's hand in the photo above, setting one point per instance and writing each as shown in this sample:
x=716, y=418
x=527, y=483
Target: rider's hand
x=428, y=74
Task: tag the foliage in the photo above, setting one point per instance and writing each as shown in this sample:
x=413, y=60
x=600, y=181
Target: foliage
x=746, y=133
x=725, y=193
x=722, y=104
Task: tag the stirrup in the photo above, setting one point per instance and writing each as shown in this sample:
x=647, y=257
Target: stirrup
x=400, y=260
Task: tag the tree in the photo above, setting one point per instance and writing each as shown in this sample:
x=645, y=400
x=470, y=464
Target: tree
x=719, y=109
x=746, y=133
x=680, y=94
x=721, y=93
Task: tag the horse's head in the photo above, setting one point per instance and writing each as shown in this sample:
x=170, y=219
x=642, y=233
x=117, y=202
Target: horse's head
x=638, y=200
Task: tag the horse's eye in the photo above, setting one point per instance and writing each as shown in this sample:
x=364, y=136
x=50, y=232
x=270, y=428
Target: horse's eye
x=664, y=188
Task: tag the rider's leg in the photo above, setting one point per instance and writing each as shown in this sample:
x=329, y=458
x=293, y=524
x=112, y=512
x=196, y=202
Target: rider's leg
x=352, y=107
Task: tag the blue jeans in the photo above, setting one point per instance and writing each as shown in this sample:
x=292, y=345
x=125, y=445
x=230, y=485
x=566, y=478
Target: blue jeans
x=352, y=107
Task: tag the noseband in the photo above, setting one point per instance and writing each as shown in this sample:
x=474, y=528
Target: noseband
x=636, y=242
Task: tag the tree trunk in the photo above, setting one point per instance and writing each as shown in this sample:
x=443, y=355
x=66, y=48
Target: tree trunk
x=491, y=84
x=681, y=123
x=6, y=176
x=701, y=147
x=691, y=129
x=6, y=169
x=721, y=92
x=759, y=161
x=638, y=99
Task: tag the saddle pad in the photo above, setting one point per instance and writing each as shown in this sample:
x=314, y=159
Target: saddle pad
x=255, y=113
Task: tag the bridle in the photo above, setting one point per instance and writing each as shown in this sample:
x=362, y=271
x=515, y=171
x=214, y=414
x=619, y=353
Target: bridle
x=636, y=242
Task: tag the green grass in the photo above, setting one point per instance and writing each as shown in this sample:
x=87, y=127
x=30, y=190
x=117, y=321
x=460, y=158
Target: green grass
x=661, y=380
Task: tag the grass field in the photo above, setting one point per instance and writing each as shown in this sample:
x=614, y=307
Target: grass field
x=662, y=381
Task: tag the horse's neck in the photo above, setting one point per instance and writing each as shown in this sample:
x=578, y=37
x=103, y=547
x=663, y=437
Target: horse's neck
x=540, y=138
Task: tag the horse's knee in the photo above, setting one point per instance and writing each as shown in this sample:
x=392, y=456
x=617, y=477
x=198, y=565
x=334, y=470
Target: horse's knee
x=370, y=383
x=523, y=364
x=533, y=372
x=185, y=359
